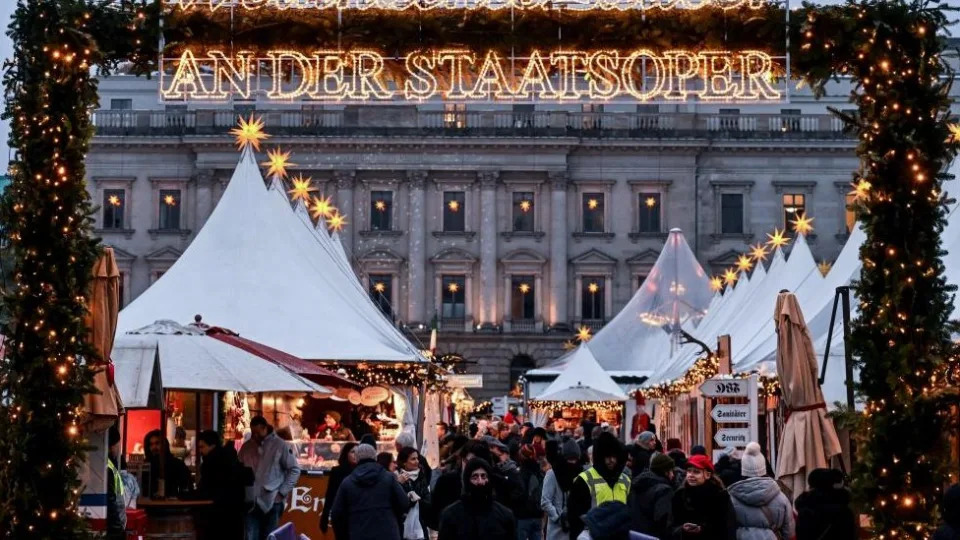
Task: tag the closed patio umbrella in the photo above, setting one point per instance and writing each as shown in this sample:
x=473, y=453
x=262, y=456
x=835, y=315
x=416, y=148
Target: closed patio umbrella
x=809, y=438
x=104, y=405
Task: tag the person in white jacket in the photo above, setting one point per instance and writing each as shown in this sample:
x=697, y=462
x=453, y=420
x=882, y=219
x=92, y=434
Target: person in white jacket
x=556, y=487
x=275, y=473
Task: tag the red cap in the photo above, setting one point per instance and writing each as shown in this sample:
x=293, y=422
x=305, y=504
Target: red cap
x=700, y=462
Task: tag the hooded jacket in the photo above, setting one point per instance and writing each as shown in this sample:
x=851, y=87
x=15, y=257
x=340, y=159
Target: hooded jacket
x=763, y=511
x=477, y=516
x=708, y=506
x=369, y=504
x=651, y=503
x=950, y=530
x=580, y=501
x=823, y=512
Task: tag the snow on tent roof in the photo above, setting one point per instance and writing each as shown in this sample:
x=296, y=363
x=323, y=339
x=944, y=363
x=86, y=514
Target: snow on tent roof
x=255, y=268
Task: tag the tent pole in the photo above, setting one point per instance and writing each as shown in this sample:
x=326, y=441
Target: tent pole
x=847, y=353
x=833, y=319
x=421, y=415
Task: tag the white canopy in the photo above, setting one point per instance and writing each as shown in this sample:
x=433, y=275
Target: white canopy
x=191, y=360
x=137, y=375
x=583, y=380
x=262, y=270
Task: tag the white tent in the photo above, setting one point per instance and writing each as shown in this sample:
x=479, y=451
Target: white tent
x=191, y=360
x=583, y=380
x=261, y=270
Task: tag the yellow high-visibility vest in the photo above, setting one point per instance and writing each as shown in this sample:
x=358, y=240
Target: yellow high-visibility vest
x=117, y=482
x=600, y=490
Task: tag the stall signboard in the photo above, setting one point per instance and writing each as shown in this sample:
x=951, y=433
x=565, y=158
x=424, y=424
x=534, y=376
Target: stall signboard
x=472, y=380
x=731, y=413
x=737, y=437
x=724, y=388
x=733, y=408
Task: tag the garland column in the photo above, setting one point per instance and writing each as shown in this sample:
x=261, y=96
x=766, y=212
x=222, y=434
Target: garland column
x=488, y=249
x=558, y=315
x=416, y=313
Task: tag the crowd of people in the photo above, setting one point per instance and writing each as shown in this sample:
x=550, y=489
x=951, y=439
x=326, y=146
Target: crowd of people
x=512, y=481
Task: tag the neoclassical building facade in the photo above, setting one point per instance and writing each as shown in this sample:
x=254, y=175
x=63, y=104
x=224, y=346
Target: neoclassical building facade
x=509, y=225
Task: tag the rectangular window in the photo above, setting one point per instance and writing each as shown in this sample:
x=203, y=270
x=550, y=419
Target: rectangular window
x=649, y=213
x=455, y=115
x=453, y=211
x=593, y=212
x=731, y=213
x=522, y=297
x=121, y=104
x=169, y=209
x=592, y=298
x=381, y=291
x=453, y=297
x=381, y=210
x=640, y=280
x=794, y=206
x=522, y=211
x=114, y=203
x=850, y=215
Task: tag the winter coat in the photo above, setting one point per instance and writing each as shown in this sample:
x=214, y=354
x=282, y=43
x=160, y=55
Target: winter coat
x=580, y=501
x=420, y=486
x=275, y=469
x=728, y=470
x=553, y=502
x=337, y=475
x=531, y=482
x=651, y=502
x=950, y=530
x=709, y=507
x=463, y=520
x=825, y=514
x=446, y=492
x=222, y=481
x=369, y=504
x=508, y=486
x=641, y=459
x=763, y=511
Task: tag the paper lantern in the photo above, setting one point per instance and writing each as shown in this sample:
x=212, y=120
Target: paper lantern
x=354, y=398
x=372, y=395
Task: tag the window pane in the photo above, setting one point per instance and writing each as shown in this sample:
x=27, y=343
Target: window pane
x=522, y=211
x=794, y=206
x=381, y=210
x=731, y=213
x=453, y=297
x=649, y=213
x=169, y=209
x=381, y=291
x=592, y=298
x=593, y=212
x=114, y=202
x=522, y=297
x=453, y=211
x=121, y=104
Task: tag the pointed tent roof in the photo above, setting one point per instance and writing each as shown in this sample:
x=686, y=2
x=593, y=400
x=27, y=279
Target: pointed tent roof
x=583, y=380
x=260, y=270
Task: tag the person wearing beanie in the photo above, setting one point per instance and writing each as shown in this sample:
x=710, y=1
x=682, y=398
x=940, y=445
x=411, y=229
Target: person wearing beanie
x=824, y=512
x=556, y=489
x=604, y=481
x=370, y=501
x=331, y=429
x=116, y=505
x=477, y=515
x=346, y=462
x=763, y=512
x=698, y=450
x=702, y=508
x=651, y=498
x=642, y=451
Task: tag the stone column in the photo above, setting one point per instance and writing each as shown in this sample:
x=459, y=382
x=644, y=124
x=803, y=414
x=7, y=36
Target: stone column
x=345, y=180
x=558, y=316
x=488, y=249
x=417, y=231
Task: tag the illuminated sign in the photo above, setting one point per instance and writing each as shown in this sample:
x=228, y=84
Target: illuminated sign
x=459, y=75
x=663, y=5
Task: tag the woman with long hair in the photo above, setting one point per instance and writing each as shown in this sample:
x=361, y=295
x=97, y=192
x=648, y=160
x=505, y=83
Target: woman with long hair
x=345, y=465
x=416, y=484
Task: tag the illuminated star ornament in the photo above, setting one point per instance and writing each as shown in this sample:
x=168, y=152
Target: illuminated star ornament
x=954, y=136
x=379, y=287
x=777, y=239
x=824, y=267
x=716, y=283
x=454, y=206
x=249, y=132
x=321, y=208
x=593, y=288
x=380, y=206
x=301, y=189
x=803, y=225
x=593, y=204
x=730, y=276
x=337, y=221
x=583, y=334
x=453, y=287
x=170, y=200
x=524, y=288
x=650, y=202
x=569, y=345
x=744, y=263
x=758, y=252
x=861, y=189
x=277, y=163
x=114, y=200
x=525, y=206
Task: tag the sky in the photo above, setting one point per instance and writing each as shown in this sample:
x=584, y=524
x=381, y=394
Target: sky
x=6, y=10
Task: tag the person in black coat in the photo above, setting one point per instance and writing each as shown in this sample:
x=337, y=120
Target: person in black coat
x=449, y=486
x=702, y=507
x=950, y=530
x=416, y=484
x=651, y=498
x=477, y=516
x=177, y=480
x=823, y=511
x=345, y=465
x=580, y=501
x=222, y=482
x=369, y=502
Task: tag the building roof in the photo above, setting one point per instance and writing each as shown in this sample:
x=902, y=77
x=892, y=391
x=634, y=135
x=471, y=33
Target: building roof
x=264, y=271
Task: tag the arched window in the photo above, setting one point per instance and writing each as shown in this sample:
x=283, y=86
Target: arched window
x=519, y=365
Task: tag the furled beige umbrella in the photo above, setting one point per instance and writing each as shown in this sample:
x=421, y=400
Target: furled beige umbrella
x=103, y=406
x=809, y=438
